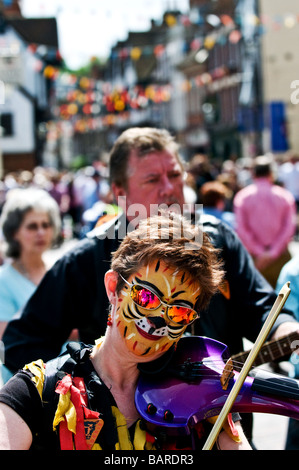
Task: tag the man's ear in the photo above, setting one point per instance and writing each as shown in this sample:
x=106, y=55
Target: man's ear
x=117, y=191
x=111, y=278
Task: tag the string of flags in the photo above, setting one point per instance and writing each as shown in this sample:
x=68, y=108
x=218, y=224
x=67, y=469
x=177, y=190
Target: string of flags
x=92, y=104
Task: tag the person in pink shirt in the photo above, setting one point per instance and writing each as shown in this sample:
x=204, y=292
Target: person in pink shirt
x=266, y=220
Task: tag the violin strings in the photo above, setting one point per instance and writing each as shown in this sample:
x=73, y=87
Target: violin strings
x=237, y=367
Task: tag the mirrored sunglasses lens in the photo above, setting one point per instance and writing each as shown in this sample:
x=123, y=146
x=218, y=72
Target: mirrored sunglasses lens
x=181, y=315
x=144, y=298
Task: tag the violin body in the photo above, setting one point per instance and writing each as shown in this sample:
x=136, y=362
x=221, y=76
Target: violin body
x=190, y=390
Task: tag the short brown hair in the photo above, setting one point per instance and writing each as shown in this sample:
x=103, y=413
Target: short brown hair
x=171, y=238
x=262, y=166
x=142, y=140
x=212, y=192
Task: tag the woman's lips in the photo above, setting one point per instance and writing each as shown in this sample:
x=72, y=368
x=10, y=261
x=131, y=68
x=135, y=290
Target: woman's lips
x=147, y=335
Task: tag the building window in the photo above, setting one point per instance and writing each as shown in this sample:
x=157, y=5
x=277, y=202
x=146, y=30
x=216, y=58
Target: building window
x=6, y=123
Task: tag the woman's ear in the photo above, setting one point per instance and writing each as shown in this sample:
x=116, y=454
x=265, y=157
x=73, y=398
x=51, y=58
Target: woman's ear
x=111, y=278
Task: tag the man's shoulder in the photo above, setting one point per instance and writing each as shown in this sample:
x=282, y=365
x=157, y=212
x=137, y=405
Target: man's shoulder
x=209, y=222
x=108, y=226
x=245, y=193
x=103, y=235
x=221, y=235
x=283, y=193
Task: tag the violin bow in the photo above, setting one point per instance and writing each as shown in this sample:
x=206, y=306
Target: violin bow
x=275, y=311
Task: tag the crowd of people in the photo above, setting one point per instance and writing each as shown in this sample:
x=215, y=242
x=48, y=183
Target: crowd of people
x=145, y=168
x=76, y=192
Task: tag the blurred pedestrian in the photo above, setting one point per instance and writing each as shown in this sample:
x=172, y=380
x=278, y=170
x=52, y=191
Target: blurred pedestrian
x=266, y=220
x=288, y=175
x=95, y=188
x=213, y=197
x=30, y=223
x=58, y=190
x=200, y=171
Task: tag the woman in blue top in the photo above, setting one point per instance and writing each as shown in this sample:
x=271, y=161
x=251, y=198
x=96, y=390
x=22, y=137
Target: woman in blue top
x=30, y=223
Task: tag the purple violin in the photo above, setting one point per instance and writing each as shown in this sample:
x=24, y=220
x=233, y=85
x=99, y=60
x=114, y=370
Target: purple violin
x=197, y=383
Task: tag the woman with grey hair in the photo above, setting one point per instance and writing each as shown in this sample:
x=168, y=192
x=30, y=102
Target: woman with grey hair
x=30, y=223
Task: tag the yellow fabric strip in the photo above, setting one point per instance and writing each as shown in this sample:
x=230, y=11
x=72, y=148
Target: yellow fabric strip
x=37, y=368
x=65, y=409
x=124, y=442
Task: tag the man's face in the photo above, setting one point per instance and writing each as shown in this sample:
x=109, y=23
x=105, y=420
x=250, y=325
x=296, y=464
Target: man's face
x=153, y=179
x=149, y=333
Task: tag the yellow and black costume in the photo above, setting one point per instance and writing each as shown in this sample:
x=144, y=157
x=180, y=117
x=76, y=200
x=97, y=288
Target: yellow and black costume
x=67, y=406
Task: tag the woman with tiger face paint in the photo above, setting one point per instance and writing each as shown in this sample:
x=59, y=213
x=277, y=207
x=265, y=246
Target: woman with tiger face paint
x=162, y=275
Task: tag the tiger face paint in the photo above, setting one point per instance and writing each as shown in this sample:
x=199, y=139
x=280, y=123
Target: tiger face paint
x=150, y=332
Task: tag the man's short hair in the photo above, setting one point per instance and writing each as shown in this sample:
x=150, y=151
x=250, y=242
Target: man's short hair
x=262, y=166
x=212, y=192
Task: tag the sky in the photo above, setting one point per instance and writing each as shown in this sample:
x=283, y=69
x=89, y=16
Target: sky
x=91, y=27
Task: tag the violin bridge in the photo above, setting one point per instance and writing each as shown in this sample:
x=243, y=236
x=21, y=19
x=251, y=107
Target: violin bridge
x=227, y=374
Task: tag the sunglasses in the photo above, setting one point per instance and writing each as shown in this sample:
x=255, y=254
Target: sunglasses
x=34, y=227
x=143, y=297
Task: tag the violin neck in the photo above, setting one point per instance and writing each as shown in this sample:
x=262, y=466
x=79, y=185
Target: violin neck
x=272, y=350
x=267, y=383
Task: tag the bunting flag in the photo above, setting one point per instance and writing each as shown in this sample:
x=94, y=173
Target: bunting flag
x=89, y=104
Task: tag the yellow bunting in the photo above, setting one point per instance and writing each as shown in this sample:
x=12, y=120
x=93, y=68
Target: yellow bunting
x=209, y=42
x=170, y=20
x=119, y=105
x=84, y=82
x=136, y=53
x=72, y=109
x=49, y=71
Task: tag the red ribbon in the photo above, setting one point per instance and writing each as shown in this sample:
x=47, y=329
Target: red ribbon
x=79, y=399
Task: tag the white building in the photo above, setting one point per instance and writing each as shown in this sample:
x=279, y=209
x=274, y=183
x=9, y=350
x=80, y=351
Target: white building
x=25, y=49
